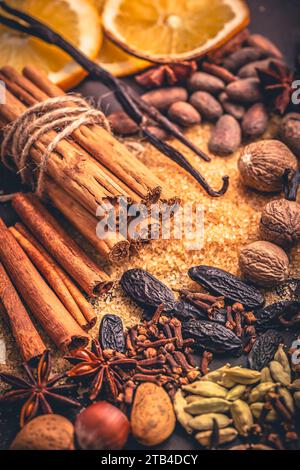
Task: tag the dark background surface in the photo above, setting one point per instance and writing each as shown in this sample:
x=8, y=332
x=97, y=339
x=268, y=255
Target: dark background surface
x=277, y=19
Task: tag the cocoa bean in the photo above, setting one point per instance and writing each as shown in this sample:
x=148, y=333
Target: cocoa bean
x=207, y=105
x=246, y=90
x=162, y=98
x=260, y=41
x=290, y=132
x=250, y=70
x=202, y=81
x=230, y=46
x=122, y=124
x=255, y=121
x=219, y=72
x=184, y=114
x=226, y=136
x=158, y=132
x=242, y=57
x=234, y=109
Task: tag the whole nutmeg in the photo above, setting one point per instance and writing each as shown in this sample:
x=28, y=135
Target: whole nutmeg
x=280, y=222
x=47, y=432
x=264, y=263
x=102, y=426
x=262, y=165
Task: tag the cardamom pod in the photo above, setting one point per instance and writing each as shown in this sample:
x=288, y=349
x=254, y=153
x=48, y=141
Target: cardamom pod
x=295, y=385
x=206, y=422
x=258, y=393
x=226, y=381
x=256, y=409
x=225, y=435
x=206, y=389
x=278, y=373
x=242, y=416
x=266, y=375
x=207, y=405
x=236, y=392
x=243, y=376
x=182, y=416
x=287, y=398
x=215, y=375
x=282, y=358
x=297, y=399
x=192, y=398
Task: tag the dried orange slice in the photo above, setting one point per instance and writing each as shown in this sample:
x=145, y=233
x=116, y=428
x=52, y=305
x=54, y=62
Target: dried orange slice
x=172, y=30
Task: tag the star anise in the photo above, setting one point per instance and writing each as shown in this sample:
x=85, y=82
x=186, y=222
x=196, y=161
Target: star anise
x=104, y=367
x=276, y=81
x=38, y=390
x=168, y=74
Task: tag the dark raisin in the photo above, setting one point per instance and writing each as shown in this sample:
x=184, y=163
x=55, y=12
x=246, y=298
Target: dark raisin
x=268, y=316
x=212, y=337
x=218, y=281
x=264, y=349
x=111, y=333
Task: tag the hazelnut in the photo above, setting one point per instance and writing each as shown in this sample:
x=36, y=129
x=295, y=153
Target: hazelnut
x=280, y=222
x=264, y=263
x=47, y=432
x=262, y=165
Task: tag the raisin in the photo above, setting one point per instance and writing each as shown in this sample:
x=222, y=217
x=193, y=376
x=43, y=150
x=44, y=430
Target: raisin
x=268, y=317
x=111, y=333
x=146, y=290
x=264, y=349
x=218, y=281
x=212, y=337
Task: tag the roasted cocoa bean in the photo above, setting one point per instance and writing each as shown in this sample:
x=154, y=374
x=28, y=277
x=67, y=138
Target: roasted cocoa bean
x=250, y=70
x=219, y=72
x=202, y=81
x=255, y=121
x=246, y=90
x=290, y=132
x=234, y=44
x=207, y=105
x=163, y=98
x=234, y=109
x=122, y=124
x=241, y=57
x=261, y=42
x=184, y=114
x=226, y=136
x=158, y=132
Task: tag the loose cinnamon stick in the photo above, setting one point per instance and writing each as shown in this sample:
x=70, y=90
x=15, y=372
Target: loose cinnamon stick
x=28, y=340
x=39, y=297
x=79, y=298
x=51, y=276
x=60, y=245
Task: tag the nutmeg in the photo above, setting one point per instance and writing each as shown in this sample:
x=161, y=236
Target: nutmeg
x=264, y=263
x=262, y=165
x=280, y=222
x=47, y=432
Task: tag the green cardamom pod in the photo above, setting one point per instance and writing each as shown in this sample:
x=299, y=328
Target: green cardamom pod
x=279, y=374
x=205, y=422
x=295, y=385
x=297, y=399
x=258, y=393
x=182, y=416
x=282, y=358
x=266, y=375
x=256, y=409
x=242, y=416
x=236, y=392
x=226, y=381
x=225, y=435
x=208, y=405
x=243, y=376
x=287, y=398
x=206, y=389
x=215, y=375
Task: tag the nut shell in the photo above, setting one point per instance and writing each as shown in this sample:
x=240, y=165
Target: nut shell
x=264, y=263
x=47, y=432
x=280, y=222
x=262, y=165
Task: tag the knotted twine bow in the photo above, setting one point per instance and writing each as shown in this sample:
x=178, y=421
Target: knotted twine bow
x=54, y=114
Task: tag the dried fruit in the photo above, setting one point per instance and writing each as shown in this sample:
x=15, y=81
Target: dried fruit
x=290, y=132
x=246, y=90
x=225, y=435
x=236, y=392
x=255, y=121
x=223, y=283
x=162, y=98
x=201, y=81
x=264, y=263
x=184, y=114
x=264, y=350
x=205, y=422
x=263, y=164
x=226, y=136
x=112, y=333
x=278, y=373
x=212, y=337
x=208, y=405
x=243, y=376
x=243, y=56
x=242, y=416
x=207, y=105
x=182, y=416
x=280, y=222
x=206, y=389
x=152, y=416
x=259, y=392
x=234, y=109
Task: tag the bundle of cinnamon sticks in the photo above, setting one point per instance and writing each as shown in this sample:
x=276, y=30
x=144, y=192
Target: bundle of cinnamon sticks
x=86, y=171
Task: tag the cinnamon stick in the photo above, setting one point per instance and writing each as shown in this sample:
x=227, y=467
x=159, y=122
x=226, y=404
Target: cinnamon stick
x=28, y=340
x=60, y=245
x=39, y=297
x=77, y=295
